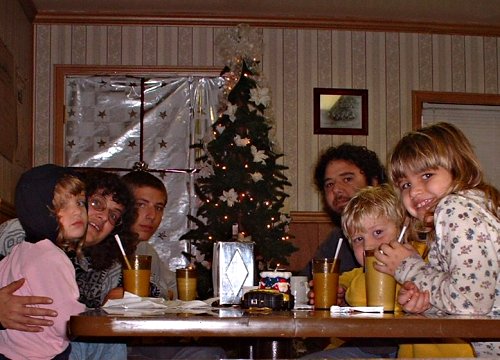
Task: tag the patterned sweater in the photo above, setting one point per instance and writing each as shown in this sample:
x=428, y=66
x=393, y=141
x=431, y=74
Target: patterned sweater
x=462, y=274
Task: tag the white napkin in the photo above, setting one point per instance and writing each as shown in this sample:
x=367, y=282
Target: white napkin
x=132, y=304
x=348, y=309
x=132, y=301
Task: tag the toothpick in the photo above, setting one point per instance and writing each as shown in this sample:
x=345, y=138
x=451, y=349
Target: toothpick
x=123, y=251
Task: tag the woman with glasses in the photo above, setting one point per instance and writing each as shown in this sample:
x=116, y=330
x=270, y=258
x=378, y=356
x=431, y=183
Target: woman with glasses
x=98, y=274
x=110, y=212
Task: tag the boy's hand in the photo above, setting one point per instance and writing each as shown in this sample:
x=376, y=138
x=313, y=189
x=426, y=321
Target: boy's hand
x=16, y=314
x=391, y=256
x=412, y=299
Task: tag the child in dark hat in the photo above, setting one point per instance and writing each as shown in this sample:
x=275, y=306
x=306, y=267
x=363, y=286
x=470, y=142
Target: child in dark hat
x=51, y=206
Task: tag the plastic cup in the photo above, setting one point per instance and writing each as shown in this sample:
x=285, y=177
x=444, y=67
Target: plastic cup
x=299, y=287
x=419, y=241
x=186, y=284
x=326, y=281
x=136, y=280
x=380, y=287
x=420, y=246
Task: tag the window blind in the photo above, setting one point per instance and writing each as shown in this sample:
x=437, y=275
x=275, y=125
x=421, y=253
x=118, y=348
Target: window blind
x=480, y=123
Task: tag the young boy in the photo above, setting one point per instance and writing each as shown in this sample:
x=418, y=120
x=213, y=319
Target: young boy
x=374, y=216
x=151, y=198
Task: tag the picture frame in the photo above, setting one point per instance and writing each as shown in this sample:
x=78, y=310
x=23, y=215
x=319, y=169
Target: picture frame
x=340, y=111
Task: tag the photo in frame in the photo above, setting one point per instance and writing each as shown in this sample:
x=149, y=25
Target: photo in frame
x=340, y=111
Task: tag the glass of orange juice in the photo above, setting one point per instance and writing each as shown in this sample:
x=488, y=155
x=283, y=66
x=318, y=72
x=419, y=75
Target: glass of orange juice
x=136, y=280
x=326, y=281
x=186, y=283
x=380, y=287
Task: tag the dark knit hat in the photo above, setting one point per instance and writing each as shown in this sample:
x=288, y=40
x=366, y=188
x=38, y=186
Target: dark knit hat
x=33, y=201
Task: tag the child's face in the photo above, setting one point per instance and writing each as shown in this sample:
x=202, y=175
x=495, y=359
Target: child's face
x=73, y=217
x=375, y=231
x=150, y=203
x=422, y=191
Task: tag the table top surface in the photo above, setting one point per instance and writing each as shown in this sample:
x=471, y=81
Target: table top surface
x=236, y=322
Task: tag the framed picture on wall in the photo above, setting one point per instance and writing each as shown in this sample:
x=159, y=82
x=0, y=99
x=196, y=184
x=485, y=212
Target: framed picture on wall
x=340, y=111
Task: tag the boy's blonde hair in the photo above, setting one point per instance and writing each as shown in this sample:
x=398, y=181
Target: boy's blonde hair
x=372, y=201
x=66, y=186
x=441, y=145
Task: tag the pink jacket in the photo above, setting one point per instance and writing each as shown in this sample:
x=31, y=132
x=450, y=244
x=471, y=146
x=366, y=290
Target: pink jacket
x=48, y=272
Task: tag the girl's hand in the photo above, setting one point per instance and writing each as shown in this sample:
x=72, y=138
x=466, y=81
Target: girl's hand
x=412, y=299
x=391, y=256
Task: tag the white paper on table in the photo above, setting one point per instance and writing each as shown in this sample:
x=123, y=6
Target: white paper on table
x=348, y=309
x=133, y=312
x=131, y=302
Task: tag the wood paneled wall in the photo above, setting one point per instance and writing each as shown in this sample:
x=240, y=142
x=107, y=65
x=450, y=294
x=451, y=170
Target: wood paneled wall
x=310, y=229
x=389, y=64
x=16, y=32
x=7, y=211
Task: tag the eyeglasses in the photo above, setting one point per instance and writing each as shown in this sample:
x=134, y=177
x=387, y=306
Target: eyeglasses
x=99, y=203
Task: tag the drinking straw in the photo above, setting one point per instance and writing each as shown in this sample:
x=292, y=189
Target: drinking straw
x=336, y=253
x=403, y=230
x=338, y=249
x=123, y=251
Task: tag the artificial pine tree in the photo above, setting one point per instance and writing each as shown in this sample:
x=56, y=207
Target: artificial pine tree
x=240, y=183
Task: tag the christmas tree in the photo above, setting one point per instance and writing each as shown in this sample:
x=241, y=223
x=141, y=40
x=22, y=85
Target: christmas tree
x=241, y=185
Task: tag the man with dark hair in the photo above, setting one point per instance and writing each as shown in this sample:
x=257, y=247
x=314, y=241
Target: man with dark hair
x=340, y=172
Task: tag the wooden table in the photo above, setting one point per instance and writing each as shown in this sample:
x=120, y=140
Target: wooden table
x=286, y=324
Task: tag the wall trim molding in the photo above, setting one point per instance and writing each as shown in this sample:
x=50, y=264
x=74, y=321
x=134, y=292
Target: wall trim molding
x=318, y=217
x=271, y=22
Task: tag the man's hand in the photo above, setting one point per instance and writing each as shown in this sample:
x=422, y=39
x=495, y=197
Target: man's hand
x=16, y=314
x=412, y=299
x=116, y=293
x=310, y=293
x=340, y=294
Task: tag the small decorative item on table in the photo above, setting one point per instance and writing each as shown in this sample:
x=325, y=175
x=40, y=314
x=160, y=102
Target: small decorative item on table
x=233, y=268
x=275, y=280
x=273, y=292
